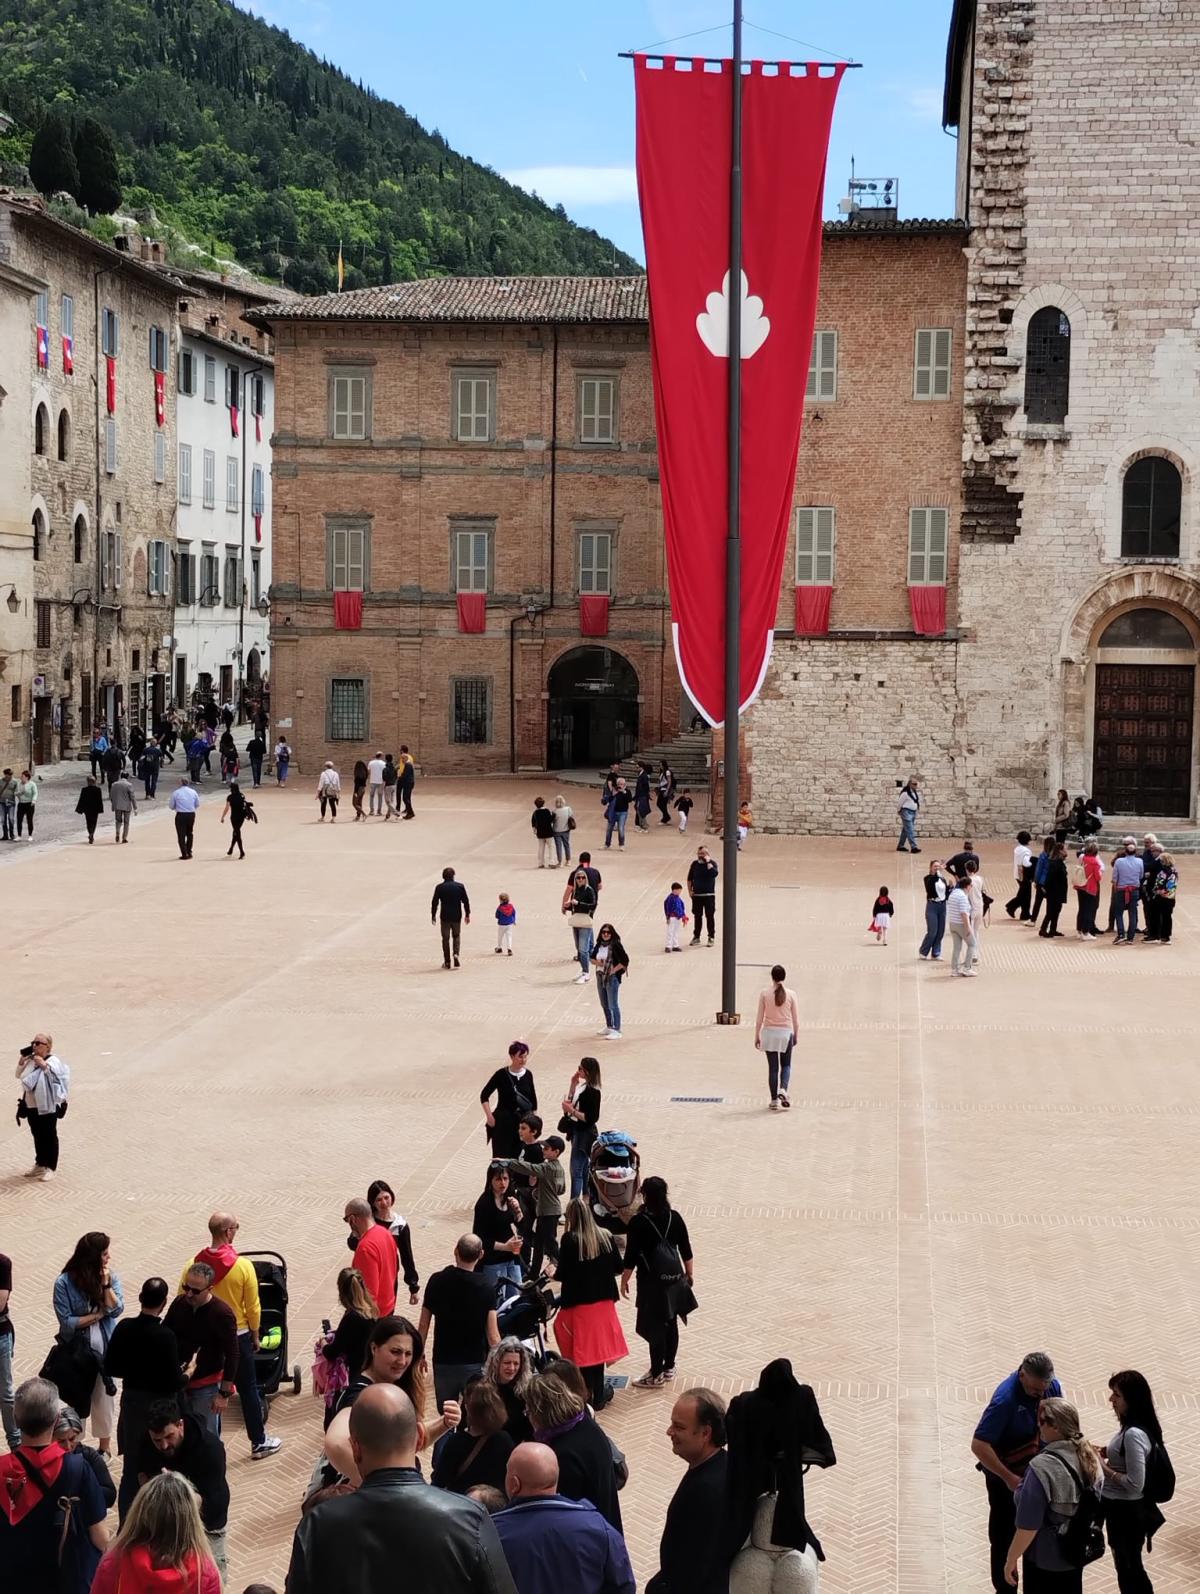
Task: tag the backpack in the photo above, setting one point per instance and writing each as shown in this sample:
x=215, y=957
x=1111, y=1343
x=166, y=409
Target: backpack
x=1080, y=1536
x=1160, y=1476
x=77, y=1557
x=1079, y=878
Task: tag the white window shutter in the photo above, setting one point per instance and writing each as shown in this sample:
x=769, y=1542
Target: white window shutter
x=823, y=550
x=117, y=571
x=916, y=546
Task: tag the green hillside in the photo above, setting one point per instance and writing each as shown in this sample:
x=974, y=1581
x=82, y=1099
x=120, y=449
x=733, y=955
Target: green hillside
x=252, y=146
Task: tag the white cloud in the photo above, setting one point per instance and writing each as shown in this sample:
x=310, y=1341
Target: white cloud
x=926, y=104
x=578, y=185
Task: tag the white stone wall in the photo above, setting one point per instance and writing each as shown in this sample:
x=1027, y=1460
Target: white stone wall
x=840, y=722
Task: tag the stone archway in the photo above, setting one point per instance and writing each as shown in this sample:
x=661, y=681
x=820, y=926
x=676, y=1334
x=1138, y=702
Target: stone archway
x=593, y=702
x=1108, y=698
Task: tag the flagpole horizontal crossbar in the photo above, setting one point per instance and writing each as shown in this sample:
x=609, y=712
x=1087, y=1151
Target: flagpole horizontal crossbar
x=718, y=60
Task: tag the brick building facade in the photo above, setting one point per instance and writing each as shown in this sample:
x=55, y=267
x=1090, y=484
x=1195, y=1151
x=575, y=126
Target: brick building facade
x=448, y=441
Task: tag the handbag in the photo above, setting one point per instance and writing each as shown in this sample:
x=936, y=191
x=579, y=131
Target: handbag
x=570, y=821
x=1079, y=878
x=666, y=1265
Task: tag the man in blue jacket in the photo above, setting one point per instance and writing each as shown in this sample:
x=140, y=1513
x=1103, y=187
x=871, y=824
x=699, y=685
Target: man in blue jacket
x=1005, y=1442
x=552, y=1543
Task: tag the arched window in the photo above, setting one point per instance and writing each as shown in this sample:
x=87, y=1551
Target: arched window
x=64, y=434
x=1150, y=500
x=39, y=534
x=41, y=426
x=1147, y=628
x=80, y=538
x=1047, y=366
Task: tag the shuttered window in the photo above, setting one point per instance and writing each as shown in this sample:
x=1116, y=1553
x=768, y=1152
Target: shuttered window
x=927, y=535
x=816, y=541
x=822, y=368
x=931, y=372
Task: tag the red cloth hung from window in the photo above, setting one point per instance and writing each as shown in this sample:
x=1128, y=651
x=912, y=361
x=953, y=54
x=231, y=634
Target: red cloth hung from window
x=472, y=611
x=258, y=528
x=233, y=419
x=683, y=123
x=812, y=610
x=160, y=398
x=347, y=611
x=43, y=348
x=68, y=355
x=258, y=428
x=593, y=614
x=928, y=605
x=110, y=383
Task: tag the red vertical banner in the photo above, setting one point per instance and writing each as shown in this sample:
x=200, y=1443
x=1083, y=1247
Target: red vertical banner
x=258, y=528
x=110, y=384
x=68, y=355
x=684, y=124
x=43, y=348
x=258, y=428
x=160, y=398
x=233, y=419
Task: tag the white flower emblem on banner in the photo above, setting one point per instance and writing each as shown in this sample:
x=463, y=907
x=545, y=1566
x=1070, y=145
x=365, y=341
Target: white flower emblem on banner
x=713, y=322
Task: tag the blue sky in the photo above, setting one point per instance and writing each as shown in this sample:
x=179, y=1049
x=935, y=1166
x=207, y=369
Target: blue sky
x=535, y=89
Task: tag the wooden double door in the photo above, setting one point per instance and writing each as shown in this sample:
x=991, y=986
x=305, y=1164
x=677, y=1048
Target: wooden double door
x=1142, y=749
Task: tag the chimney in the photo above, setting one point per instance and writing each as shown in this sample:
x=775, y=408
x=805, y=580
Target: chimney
x=152, y=251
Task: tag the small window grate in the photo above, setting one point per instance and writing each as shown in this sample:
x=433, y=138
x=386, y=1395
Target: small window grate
x=705, y=1099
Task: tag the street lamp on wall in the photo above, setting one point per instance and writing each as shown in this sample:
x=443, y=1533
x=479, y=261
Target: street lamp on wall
x=13, y=600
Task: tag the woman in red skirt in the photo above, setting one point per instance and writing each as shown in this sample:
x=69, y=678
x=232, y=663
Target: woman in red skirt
x=587, y=1328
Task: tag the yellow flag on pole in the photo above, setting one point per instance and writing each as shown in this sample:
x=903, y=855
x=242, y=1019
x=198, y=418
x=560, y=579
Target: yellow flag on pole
x=341, y=267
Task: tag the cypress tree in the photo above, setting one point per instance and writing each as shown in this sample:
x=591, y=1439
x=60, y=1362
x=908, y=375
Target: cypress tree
x=99, y=175
x=52, y=163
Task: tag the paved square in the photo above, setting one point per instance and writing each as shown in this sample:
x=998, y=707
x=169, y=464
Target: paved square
x=968, y=1171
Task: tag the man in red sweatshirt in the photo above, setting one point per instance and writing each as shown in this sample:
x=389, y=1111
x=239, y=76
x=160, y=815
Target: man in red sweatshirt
x=375, y=1256
x=236, y=1283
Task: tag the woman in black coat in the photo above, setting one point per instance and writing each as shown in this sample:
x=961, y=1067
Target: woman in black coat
x=660, y=1302
x=586, y=1470
x=774, y=1432
x=496, y=1221
x=516, y=1095
x=477, y=1451
x=90, y=805
x=1055, y=890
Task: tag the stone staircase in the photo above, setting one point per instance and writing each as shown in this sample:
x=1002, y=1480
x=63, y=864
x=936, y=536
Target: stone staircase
x=687, y=754
x=1176, y=835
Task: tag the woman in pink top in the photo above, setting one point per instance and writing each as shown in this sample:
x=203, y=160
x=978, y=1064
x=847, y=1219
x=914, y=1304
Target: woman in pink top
x=1088, y=874
x=776, y=1031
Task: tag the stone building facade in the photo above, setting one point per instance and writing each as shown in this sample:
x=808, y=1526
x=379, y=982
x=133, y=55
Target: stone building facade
x=18, y=294
x=1079, y=574
x=502, y=451
x=102, y=501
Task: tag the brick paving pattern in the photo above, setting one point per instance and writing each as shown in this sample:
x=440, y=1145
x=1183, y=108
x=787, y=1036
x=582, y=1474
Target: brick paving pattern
x=968, y=1171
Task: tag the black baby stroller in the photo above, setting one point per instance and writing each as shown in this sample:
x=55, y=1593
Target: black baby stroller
x=525, y=1314
x=271, y=1359
x=616, y=1178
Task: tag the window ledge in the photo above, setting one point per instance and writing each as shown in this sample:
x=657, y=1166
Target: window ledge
x=1147, y=559
x=1045, y=432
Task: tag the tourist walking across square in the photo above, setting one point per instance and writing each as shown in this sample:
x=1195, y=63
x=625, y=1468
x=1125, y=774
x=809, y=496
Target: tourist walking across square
x=702, y=888
x=123, y=801
x=460, y=1306
x=329, y=790
x=8, y=805
x=375, y=768
x=1128, y=872
x=184, y=802
x=376, y=1254
x=908, y=806
x=542, y=823
x=406, y=781
x=452, y=906
x=958, y=922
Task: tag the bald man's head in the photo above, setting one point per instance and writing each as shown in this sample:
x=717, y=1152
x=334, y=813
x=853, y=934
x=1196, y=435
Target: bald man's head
x=532, y=1470
x=383, y=1429
x=221, y=1224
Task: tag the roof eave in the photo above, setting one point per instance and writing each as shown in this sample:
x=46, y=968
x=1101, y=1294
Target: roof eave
x=962, y=19
x=167, y=287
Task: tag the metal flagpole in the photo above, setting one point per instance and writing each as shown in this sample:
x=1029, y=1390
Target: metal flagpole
x=733, y=552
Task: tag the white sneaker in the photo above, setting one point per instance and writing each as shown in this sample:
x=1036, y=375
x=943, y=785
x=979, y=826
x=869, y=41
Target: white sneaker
x=604, y=1033
x=583, y=979
x=613, y=1035
x=969, y=974
x=45, y=1175
x=775, y=1106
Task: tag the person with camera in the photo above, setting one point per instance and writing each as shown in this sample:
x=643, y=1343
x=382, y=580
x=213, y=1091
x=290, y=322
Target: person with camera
x=45, y=1082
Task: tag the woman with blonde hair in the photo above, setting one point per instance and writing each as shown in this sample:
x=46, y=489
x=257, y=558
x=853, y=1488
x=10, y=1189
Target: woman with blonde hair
x=346, y=1350
x=564, y=824
x=1062, y=1479
x=562, y=1421
x=162, y=1547
x=509, y=1369
x=587, y=1328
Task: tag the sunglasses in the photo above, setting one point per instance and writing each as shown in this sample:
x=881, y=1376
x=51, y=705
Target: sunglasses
x=194, y=1289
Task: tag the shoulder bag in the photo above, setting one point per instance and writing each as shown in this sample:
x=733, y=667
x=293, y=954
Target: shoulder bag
x=666, y=1266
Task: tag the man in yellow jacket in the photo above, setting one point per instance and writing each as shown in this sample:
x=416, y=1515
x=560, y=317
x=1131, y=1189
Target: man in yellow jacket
x=236, y=1283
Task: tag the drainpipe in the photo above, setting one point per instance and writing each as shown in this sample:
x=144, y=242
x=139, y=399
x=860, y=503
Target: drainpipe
x=104, y=271
x=530, y=613
x=255, y=370
x=553, y=458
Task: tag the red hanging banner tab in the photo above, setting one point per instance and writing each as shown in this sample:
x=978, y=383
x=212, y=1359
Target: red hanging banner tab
x=347, y=611
x=110, y=383
x=68, y=355
x=258, y=528
x=472, y=611
x=684, y=122
x=812, y=610
x=233, y=419
x=160, y=398
x=928, y=608
x=258, y=428
x=43, y=348
x=593, y=614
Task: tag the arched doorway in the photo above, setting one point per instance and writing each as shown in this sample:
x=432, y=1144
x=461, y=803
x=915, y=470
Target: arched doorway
x=253, y=669
x=593, y=715
x=1142, y=746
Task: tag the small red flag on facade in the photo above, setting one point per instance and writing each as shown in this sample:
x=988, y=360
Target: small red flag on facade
x=68, y=355
x=233, y=419
x=110, y=383
x=684, y=116
x=160, y=398
x=43, y=348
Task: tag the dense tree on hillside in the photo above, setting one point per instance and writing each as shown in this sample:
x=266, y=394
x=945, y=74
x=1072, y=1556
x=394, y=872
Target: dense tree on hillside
x=248, y=143
x=52, y=165
x=99, y=188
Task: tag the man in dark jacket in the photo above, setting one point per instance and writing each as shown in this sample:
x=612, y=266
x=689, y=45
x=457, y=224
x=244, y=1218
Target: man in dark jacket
x=256, y=750
x=452, y=904
x=205, y=1330
x=406, y=780
x=446, y=1544
x=552, y=1543
x=112, y=764
x=175, y=1443
x=689, y=1556
x=542, y=821
x=702, y=888
x=144, y=1355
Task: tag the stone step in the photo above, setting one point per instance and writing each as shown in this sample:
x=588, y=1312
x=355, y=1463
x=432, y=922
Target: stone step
x=1176, y=835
